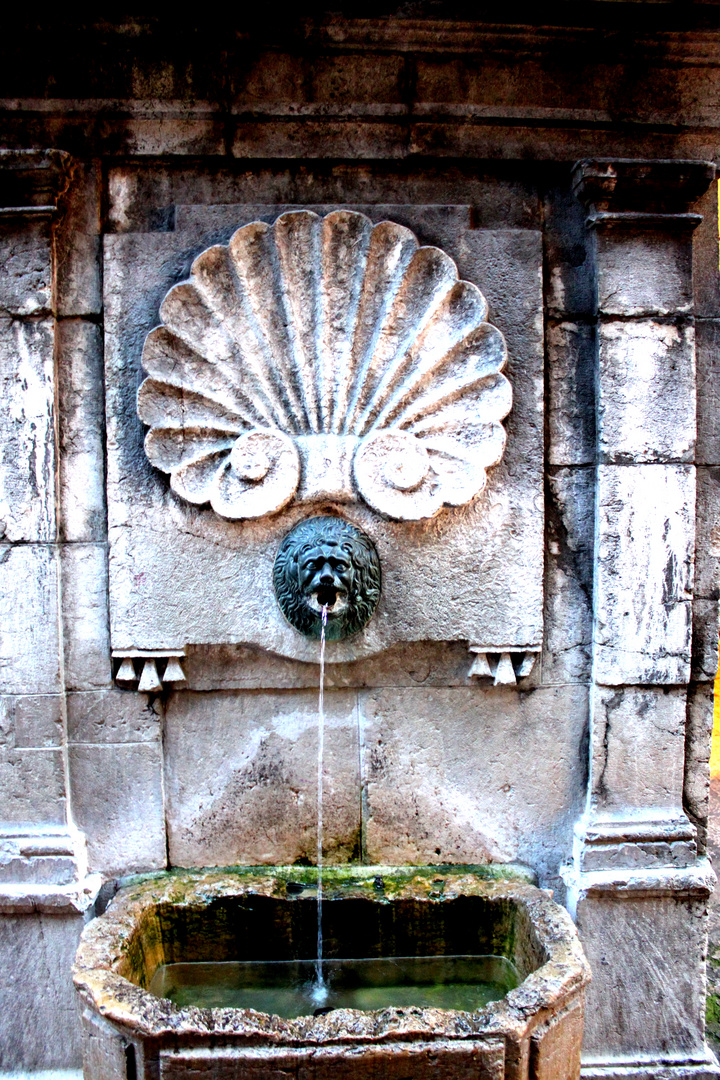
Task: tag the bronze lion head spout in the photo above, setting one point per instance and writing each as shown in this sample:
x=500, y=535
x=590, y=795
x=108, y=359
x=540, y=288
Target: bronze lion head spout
x=325, y=562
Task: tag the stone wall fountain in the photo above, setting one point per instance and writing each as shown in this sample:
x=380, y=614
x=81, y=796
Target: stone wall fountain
x=388, y=338
x=326, y=363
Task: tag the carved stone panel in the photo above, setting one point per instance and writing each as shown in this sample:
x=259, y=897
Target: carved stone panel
x=324, y=361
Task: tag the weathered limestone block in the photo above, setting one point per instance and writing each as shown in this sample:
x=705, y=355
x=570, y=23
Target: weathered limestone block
x=567, y=648
x=293, y=137
x=705, y=639
x=40, y=858
x=643, y=587
x=81, y=430
x=638, y=741
x=39, y=1014
x=118, y=803
x=112, y=716
x=706, y=605
x=37, y=720
x=707, y=527
x=78, y=250
x=180, y=132
x=106, y=1054
x=643, y=271
x=698, y=733
x=86, y=633
x=27, y=473
x=707, y=336
x=644, y=936
x=571, y=393
x=570, y=284
x=506, y=264
x=25, y=266
x=32, y=783
x=283, y=76
x=241, y=778
x=706, y=245
x=29, y=658
x=433, y=796
x=646, y=391
x=241, y=667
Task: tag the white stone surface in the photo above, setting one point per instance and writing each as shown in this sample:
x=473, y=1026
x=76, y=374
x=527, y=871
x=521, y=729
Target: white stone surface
x=698, y=733
x=78, y=245
x=567, y=648
x=644, y=573
x=707, y=338
x=29, y=654
x=86, y=633
x=644, y=272
x=706, y=619
x=638, y=744
x=241, y=778
x=331, y=327
x=646, y=391
x=25, y=267
x=327, y=327
x=118, y=803
x=32, y=781
x=707, y=548
x=647, y=959
x=171, y=561
x=81, y=431
x=27, y=473
x=104, y=1056
x=571, y=393
x=37, y=720
x=444, y=781
x=112, y=716
x=41, y=1028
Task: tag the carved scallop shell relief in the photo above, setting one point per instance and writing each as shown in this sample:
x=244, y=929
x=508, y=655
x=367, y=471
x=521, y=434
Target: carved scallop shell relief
x=325, y=358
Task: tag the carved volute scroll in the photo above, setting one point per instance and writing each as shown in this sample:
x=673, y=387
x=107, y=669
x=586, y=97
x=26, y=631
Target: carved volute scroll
x=324, y=359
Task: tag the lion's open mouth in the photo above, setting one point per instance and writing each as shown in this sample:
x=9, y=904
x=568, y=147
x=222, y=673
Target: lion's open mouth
x=335, y=600
x=326, y=596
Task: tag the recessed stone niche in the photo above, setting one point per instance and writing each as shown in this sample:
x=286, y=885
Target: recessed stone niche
x=380, y=363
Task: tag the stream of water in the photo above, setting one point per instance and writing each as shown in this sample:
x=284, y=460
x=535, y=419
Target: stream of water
x=320, y=990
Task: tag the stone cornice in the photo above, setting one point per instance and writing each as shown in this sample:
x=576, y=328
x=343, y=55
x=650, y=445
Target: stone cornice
x=640, y=188
x=32, y=181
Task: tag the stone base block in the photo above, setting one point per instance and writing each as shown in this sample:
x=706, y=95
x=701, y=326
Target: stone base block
x=645, y=934
x=40, y=1028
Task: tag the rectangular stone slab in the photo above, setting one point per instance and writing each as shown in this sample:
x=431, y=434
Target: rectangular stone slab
x=179, y=574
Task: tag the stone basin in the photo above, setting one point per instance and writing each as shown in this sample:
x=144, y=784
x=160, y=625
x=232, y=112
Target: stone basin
x=533, y=1033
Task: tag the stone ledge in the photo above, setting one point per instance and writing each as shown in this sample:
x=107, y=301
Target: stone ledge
x=24, y=899
x=44, y=1074
x=638, y=184
x=698, y=880
x=650, y=1068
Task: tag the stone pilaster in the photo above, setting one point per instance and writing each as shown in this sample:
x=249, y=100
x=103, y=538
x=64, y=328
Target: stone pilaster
x=45, y=890
x=637, y=886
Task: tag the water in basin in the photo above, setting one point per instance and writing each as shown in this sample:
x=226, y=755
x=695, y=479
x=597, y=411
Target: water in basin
x=289, y=988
